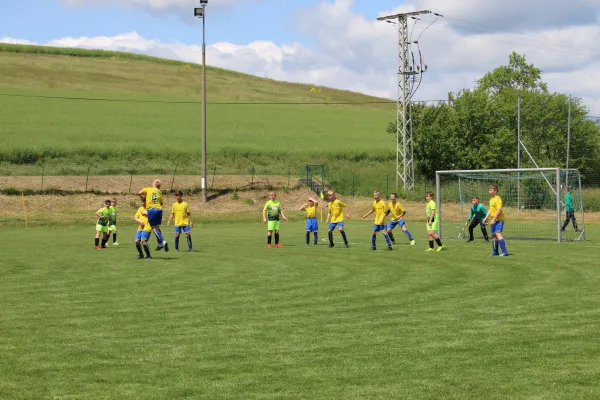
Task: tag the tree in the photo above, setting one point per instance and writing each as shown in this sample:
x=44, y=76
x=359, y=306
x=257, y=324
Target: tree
x=478, y=128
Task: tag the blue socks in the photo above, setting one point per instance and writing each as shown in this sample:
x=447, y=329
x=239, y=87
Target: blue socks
x=502, y=246
x=176, y=242
x=373, y=240
x=159, y=236
x=494, y=247
x=387, y=239
x=409, y=235
x=316, y=238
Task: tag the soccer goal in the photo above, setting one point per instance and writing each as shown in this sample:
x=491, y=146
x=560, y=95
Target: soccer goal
x=533, y=200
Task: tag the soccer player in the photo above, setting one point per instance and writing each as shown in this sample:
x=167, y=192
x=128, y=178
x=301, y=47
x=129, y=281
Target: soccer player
x=103, y=215
x=378, y=207
x=311, y=219
x=432, y=223
x=570, y=210
x=497, y=222
x=183, y=220
x=113, y=223
x=154, y=202
x=398, y=213
x=478, y=213
x=335, y=214
x=142, y=234
x=273, y=210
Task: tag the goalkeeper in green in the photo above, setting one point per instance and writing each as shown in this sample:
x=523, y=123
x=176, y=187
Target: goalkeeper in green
x=570, y=210
x=478, y=213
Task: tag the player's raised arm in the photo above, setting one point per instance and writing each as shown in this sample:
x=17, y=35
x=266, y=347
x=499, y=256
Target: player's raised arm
x=303, y=208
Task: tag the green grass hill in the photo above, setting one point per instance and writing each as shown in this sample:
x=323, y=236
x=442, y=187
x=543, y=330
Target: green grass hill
x=69, y=109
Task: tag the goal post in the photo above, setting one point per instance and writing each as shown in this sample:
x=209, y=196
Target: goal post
x=532, y=201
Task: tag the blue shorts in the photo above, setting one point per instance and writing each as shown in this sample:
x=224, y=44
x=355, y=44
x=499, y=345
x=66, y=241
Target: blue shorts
x=184, y=228
x=497, y=227
x=393, y=224
x=142, y=235
x=377, y=228
x=154, y=216
x=332, y=225
x=311, y=225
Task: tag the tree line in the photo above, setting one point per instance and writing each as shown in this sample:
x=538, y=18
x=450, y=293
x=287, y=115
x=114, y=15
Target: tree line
x=477, y=128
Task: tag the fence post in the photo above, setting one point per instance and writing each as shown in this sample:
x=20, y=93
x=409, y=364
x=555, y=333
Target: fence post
x=130, y=180
x=173, y=180
x=353, y=184
x=42, y=177
x=212, y=185
x=87, y=177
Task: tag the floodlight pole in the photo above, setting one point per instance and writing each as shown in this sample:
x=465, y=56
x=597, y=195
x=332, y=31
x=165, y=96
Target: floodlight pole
x=204, y=197
x=201, y=13
x=405, y=169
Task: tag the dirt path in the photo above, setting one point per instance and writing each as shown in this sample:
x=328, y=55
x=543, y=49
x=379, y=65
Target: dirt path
x=131, y=184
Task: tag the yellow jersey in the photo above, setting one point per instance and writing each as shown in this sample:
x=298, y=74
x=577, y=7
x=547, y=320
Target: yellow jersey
x=153, y=198
x=181, y=212
x=336, y=209
x=311, y=212
x=495, y=205
x=144, y=219
x=379, y=208
x=396, y=210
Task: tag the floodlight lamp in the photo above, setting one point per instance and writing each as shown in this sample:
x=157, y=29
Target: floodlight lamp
x=199, y=12
x=204, y=2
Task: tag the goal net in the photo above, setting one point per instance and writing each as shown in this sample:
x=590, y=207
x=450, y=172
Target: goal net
x=533, y=201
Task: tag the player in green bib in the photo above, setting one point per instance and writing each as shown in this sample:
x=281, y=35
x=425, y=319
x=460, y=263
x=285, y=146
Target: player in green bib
x=104, y=219
x=113, y=223
x=272, y=211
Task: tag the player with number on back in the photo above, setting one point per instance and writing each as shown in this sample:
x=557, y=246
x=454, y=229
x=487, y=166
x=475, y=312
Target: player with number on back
x=497, y=222
x=398, y=213
x=154, y=201
x=378, y=207
x=478, y=213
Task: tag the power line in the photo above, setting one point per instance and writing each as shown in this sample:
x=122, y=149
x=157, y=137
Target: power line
x=196, y=102
x=523, y=34
x=513, y=43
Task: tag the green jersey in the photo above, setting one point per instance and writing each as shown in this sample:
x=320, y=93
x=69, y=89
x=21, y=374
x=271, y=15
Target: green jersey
x=113, y=214
x=105, y=213
x=569, y=202
x=428, y=210
x=478, y=212
x=273, y=208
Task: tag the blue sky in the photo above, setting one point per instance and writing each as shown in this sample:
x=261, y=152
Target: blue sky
x=45, y=20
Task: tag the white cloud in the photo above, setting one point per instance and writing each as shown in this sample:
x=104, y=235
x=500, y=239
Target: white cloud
x=354, y=53
x=175, y=6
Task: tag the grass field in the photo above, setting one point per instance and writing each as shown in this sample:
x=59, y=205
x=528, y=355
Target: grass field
x=237, y=320
x=149, y=119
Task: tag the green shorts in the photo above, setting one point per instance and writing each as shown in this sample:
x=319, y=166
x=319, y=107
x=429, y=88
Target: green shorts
x=112, y=228
x=273, y=225
x=433, y=226
x=101, y=228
